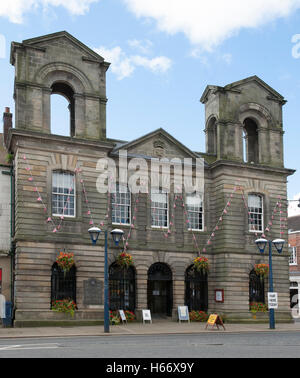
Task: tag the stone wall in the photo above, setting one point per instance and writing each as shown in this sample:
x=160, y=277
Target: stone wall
x=232, y=254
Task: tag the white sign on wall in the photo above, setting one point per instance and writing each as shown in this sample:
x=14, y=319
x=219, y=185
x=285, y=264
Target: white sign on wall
x=273, y=300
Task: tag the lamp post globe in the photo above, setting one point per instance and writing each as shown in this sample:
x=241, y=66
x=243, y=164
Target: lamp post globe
x=117, y=235
x=279, y=244
x=94, y=234
x=261, y=244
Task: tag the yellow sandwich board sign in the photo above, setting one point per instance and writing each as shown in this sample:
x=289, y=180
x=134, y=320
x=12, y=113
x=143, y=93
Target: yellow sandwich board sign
x=214, y=319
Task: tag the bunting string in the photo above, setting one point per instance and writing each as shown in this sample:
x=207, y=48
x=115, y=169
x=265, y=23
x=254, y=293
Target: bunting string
x=78, y=171
x=40, y=198
x=132, y=222
x=278, y=209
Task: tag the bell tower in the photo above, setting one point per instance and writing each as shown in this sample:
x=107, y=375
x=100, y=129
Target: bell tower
x=243, y=122
x=59, y=64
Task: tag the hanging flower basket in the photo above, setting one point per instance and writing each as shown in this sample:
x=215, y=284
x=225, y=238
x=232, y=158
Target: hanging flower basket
x=262, y=270
x=65, y=261
x=201, y=264
x=124, y=260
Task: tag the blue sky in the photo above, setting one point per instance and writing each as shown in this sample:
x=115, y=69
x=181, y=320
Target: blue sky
x=165, y=52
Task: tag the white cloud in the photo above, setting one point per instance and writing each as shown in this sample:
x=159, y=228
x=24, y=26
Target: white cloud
x=143, y=47
x=205, y=57
x=123, y=65
x=120, y=64
x=15, y=10
x=293, y=206
x=227, y=58
x=158, y=64
x=208, y=23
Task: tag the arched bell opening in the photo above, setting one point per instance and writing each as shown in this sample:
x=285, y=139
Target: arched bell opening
x=62, y=109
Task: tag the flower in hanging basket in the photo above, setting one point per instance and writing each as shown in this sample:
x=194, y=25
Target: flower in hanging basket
x=124, y=260
x=201, y=264
x=262, y=270
x=65, y=261
x=67, y=306
x=258, y=307
x=198, y=316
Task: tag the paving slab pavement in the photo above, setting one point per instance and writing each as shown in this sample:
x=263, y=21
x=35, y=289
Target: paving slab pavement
x=157, y=327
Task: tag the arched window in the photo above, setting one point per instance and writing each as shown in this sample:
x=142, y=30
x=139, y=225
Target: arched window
x=62, y=109
x=212, y=137
x=121, y=288
x=251, y=141
x=63, y=285
x=196, y=290
x=256, y=288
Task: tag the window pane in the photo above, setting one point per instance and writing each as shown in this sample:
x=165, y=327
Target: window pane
x=63, y=199
x=159, y=208
x=254, y=201
x=121, y=205
x=255, y=213
x=293, y=255
x=194, y=207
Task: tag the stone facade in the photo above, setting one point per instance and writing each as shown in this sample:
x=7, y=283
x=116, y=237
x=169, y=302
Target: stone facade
x=58, y=63
x=5, y=223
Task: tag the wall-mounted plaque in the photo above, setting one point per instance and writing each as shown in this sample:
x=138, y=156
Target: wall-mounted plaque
x=92, y=292
x=219, y=295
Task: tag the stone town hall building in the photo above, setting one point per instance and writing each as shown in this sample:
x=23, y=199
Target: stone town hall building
x=244, y=141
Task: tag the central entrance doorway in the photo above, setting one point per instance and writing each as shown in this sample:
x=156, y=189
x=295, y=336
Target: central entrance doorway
x=160, y=290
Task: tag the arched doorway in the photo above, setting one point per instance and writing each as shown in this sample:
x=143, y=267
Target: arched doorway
x=121, y=288
x=196, y=290
x=160, y=289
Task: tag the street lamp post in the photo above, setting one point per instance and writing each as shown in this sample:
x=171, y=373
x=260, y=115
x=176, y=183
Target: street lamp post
x=116, y=235
x=261, y=244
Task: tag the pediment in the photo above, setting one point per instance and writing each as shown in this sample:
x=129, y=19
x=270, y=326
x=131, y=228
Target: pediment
x=243, y=86
x=49, y=40
x=255, y=81
x=158, y=144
